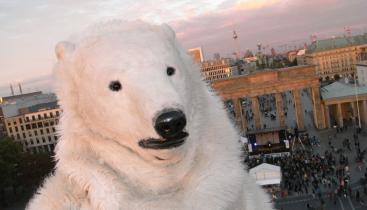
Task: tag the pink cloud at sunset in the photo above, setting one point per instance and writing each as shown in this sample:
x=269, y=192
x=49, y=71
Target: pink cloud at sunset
x=255, y=4
x=30, y=30
x=273, y=23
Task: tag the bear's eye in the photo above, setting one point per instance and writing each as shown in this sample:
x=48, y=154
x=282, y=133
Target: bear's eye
x=115, y=85
x=170, y=71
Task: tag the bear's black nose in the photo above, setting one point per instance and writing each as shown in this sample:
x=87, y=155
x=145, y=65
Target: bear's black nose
x=170, y=124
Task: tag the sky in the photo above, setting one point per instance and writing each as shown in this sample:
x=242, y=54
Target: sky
x=29, y=30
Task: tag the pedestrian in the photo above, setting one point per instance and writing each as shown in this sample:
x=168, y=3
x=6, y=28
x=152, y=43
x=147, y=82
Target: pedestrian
x=357, y=196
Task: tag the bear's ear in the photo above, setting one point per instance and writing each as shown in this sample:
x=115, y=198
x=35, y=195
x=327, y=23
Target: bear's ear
x=64, y=49
x=168, y=30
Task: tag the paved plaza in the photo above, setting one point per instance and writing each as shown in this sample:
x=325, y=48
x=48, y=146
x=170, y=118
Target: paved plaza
x=300, y=202
x=322, y=199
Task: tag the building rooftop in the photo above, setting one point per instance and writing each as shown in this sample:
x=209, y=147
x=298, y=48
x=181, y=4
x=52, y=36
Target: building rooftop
x=38, y=107
x=15, y=97
x=337, y=42
x=222, y=61
x=339, y=89
x=32, y=102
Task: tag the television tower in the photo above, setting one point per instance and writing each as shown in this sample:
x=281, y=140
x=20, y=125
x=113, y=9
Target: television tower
x=235, y=38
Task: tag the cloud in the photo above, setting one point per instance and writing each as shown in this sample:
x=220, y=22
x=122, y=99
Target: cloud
x=274, y=25
x=256, y=4
x=29, y=30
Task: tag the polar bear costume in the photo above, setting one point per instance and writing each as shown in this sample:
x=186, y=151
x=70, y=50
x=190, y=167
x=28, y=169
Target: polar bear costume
x=141, y=130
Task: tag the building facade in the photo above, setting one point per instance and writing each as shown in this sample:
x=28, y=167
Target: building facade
x=35, y=131
x=4, y=101
x=31, y=120
x=274, y=81
x=337, y=57
x=344, y=104
x=197, y=54
x=218, y=69
x=362, y=73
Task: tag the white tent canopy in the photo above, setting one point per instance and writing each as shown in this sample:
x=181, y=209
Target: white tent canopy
x=266, y=174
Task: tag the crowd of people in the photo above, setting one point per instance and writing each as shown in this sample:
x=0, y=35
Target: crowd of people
x=325, y=175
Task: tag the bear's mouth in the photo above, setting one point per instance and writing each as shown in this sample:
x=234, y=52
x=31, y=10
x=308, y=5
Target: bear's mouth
x=169, y=143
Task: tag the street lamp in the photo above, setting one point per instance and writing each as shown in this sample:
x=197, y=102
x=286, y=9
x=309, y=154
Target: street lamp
x=356, y=94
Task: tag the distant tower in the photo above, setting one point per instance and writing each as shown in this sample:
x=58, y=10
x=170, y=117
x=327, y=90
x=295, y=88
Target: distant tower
x=313, y=38
x=259, y=47
x=11, y=89
x=273, y=53
x=347, y=31
x=20, y=88
x=235, y=38
x=216, y=56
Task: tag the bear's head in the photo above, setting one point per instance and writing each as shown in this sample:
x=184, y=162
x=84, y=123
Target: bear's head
x=133, y=84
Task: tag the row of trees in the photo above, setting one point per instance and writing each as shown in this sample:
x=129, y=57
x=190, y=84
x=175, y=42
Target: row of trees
x=20, y=173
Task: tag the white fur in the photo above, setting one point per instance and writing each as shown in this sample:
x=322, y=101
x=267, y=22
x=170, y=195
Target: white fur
x=99, y=162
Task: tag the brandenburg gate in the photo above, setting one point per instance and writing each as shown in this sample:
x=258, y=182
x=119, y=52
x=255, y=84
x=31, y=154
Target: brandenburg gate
x=275, y=82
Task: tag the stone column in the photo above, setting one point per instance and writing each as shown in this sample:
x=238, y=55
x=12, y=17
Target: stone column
x=256, y=111
x=298, y=108
x=340, y=114
x=364, y=117
x=239, y=115
x=327, y=116
x=279, y=108
x=317, y=116
x=354, y=112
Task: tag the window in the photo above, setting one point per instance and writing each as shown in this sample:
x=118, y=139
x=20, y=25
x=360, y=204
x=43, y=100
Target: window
x=22, y=127
x=15, y=122
x=55, y=137
x=31, y=140
x=57, y=113
x=39, y=125
x=51, y=114
x=43, y=140
x=18, y=136
x=9, y=124
x=27, y=119
x=35, y=133
x=34, y=125
x=39, y=117
x=28, y=126
x=24, y=136
x=46, y=124
x=41, y=131
x=20, y=120
x=47, y=130
x=45, y=115
x=52, y=123
x=16, y=129
x=37, y=140
x=49, y=139
x=53, y=129
x=33, y=117
x=10, y=130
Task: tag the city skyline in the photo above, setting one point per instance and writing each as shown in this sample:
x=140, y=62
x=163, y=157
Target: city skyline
x=30, y=31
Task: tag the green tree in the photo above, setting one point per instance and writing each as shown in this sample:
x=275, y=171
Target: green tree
x=21, y=173
x=34, y=168
x=10, y=153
